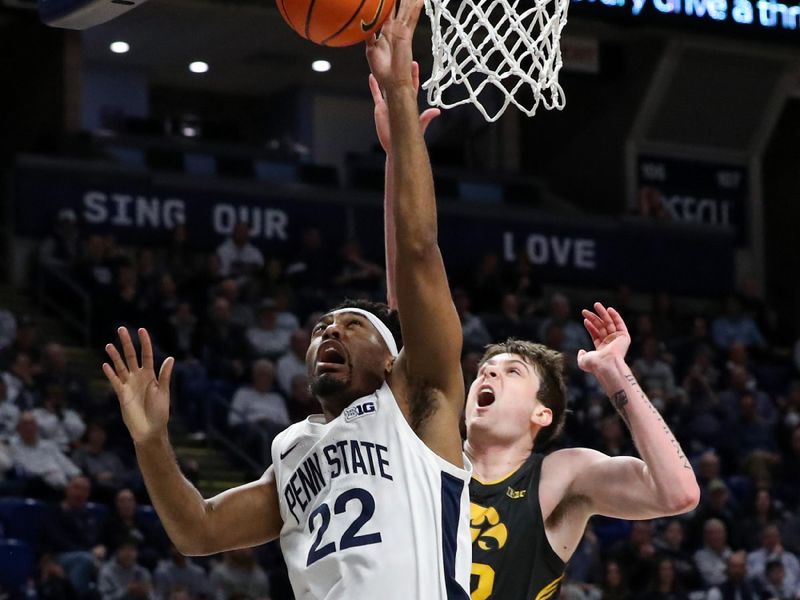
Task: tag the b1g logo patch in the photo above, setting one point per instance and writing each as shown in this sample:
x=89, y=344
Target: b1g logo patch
x=356, y=412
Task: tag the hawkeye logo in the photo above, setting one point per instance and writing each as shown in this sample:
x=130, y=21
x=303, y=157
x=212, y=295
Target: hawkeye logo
x=486, y=528
x=356, y=412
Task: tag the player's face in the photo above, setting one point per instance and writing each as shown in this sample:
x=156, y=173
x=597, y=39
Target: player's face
x=502, y=399
x=347, y=357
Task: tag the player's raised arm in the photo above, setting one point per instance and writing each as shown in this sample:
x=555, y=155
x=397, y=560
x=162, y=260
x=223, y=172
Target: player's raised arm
x=663, y=482
x=384, y=137
x=241, y=517
x=431, y=329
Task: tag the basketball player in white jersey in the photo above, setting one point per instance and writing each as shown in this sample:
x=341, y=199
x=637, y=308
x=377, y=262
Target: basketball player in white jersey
x=369, y=499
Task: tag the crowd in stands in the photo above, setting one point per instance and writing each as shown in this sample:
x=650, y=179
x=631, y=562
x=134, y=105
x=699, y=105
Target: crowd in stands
x=238, y=323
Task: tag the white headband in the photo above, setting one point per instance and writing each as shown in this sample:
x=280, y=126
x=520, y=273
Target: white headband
x=387, y=336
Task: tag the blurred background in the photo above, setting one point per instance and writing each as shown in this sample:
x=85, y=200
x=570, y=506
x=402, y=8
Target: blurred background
x=196, y=168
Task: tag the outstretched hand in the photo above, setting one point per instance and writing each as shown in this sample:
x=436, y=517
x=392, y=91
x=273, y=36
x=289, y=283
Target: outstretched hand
x=609, y=335
x=382, y=112
x=143, y=398
x=389, y=52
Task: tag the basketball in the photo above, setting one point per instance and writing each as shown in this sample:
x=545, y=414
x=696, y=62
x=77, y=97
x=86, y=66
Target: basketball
x=335, y=22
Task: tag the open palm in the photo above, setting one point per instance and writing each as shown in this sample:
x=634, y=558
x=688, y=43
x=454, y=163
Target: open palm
x=143, y=398
x=609, y=335
x=382, y=111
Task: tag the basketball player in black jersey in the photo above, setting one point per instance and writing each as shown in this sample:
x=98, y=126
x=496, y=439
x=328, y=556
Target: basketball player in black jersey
x=529, y=511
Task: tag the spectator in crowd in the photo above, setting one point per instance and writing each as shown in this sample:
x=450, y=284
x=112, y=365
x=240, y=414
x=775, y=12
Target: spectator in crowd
x=224, y=344
x=737, y=585
x=707, y=469
x=123, y=578
x=129, y=304
x=19, y=381
x=241, y=312
x=665, y=585
x=772, y=550
x=671, y=545
x=56, y=421
x=8, y=329
x=9, y=414
x=52, y=582
x=702, y=378
x=285, y=318
x=743, y=383
x=775, y=585
x=476, y=336
x=748, y=431
x=198, y=288
x=238, y=257
x=238, y=573
x=510, y=322
x=266, y=338
x=293, y=361
x=310, y=268
x=179, y=572
x=257, y=412
x=41, y=461
x=72, y=532
x=736, y=325
x=636, y=556
x=164, y=304
x=56, y=370
x=124, y=523
x=104, y=468
x=652, y=371
x=716, y=503
x=763, y=512
x=712, y=559
x=95, y=270
x=614, y=586
x=148, y=274
x=27, y=342
x=355, y=273
x=574, y=335
x=61, y=249
x=181, y=337
x=178, y=258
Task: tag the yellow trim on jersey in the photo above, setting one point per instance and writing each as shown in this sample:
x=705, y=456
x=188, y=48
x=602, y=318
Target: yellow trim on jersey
x=550, y=589
x=496, y=480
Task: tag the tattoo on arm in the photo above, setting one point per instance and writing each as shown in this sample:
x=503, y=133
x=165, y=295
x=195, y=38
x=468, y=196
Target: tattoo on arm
x=620, y=399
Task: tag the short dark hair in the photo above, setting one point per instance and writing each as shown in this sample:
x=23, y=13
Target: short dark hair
x=549, y=365
x=389, y=317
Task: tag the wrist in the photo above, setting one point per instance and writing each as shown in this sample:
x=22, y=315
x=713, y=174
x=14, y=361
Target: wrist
x=611, y=372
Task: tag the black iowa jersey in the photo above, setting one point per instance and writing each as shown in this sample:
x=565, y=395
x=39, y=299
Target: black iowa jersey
x=511, y=557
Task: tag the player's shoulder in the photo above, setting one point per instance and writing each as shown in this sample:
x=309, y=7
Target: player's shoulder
x=570, y=461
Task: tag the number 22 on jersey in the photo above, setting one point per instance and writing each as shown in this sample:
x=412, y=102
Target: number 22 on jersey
x=351, y=537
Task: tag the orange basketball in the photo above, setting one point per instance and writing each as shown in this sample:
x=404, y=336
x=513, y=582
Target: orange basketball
x=335, y=22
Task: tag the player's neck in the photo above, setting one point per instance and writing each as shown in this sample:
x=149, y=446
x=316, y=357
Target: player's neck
x=494, y=461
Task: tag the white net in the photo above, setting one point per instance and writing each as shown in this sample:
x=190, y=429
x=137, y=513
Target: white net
x=493, y=53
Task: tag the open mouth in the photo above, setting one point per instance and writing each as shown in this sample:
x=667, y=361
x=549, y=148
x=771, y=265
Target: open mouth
x=330, y=356
x=485, y=396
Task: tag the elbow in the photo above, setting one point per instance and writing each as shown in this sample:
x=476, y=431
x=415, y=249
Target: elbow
x=684, y=499
x=422, y=248
x=190, y=547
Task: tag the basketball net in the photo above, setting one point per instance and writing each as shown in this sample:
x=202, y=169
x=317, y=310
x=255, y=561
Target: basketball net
x=491, y=54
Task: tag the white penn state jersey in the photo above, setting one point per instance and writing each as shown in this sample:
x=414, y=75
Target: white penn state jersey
x=369, y=511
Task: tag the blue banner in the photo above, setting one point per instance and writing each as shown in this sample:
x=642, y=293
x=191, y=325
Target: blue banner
x=646, y=256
